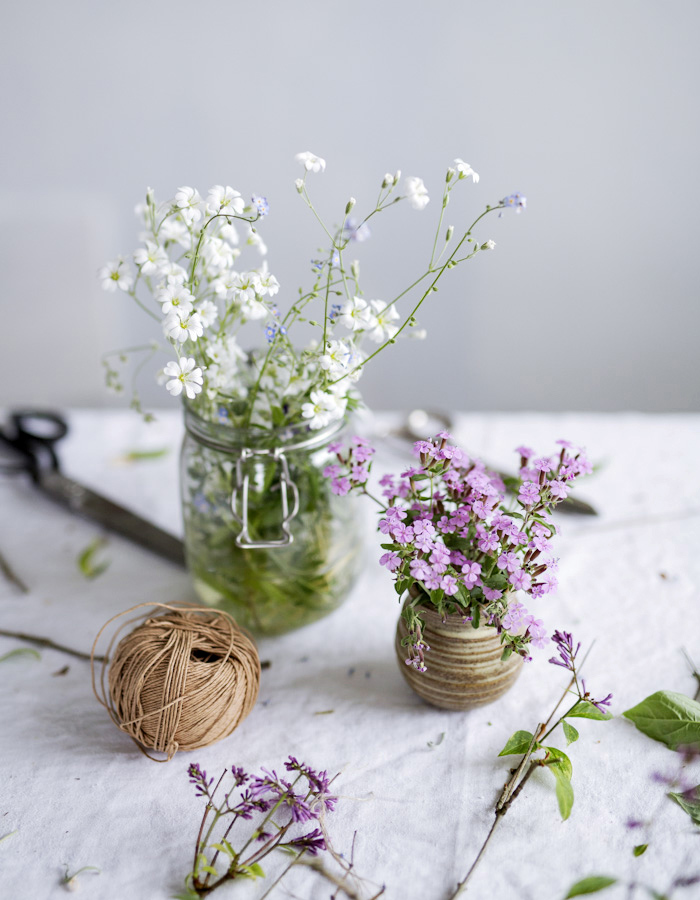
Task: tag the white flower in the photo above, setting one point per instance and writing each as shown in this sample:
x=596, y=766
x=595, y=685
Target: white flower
x=310, y=161
x=175, y=229
x=184, y=376
x=208, y=312
x=356, y=315
x=417, y=334
x=416, y=192
x=226, y=283
x=246, y=285
x=174, y=274
x=189, y=203
x=253, y=239
x=224, y=200
x=217, y=254
x=180, y=330
x=151, y=259
x=337, y=358
x=268, y=283
x=488, y=245
x=385, y=316
x=229, y=233
x=115, y=275
x=175, y=298
x=322, y=409
x=465, y=170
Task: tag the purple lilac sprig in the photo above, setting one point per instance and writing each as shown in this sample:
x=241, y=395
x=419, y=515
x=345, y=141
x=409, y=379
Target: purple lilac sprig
x=279, y=807
x=452, y=542
x=536, y=751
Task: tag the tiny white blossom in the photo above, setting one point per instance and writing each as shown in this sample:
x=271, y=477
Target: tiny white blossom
x=253, y=239
x=385, y=317
x=151, y=259
x=337, y=358
x=299, y=184
x=175, y=298
x=174, y=229
x=222, y=199
x=226, y=283
x=208, y=312
x=217, y=254
x=465, y=170
x=269, y=285
x=310, y=161
x=174, y=274
x=189, y=202
x=416, y=192
x=322, y=409
x=184, y=376
x=356, y=315
x=488, y=245
x=180, y=330
x=229, y=233
x=115, y=275
x=246, y=285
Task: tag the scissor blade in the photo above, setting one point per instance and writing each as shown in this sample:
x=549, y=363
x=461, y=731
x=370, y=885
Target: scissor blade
x=84, y=502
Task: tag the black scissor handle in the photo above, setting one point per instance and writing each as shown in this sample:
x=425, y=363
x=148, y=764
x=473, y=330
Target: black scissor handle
x=35, y=432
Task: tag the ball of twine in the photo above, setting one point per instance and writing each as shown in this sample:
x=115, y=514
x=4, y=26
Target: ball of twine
x=180, y=680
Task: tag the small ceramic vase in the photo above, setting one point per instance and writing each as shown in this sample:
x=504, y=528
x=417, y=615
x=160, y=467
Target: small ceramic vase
x=464, y=666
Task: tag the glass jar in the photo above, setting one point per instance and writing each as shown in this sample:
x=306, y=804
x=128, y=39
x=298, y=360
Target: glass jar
x=265, y=538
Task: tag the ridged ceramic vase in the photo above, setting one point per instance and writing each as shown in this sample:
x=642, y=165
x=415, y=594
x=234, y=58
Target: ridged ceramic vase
x=464, y=666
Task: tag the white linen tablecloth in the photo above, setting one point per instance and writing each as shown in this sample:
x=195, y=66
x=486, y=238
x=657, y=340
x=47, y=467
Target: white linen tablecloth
x=78, y=792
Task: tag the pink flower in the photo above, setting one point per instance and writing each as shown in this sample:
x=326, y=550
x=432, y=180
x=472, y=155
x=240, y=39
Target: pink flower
x=537, y=632
x=391, y=560
x=340, y=486
x=559, y=489
x=543, y=464
x=529, y=493
x=520, y=580
x=362, y=454
x=525, y=452
x=359, y=474
x=335, y=446
x=449, y=585
x=420, y=569
x=331, y=471
x=423, y=541
x=491, y=594
x=471, y=571
x=432, y=579
x=403, y=534
x=508, y=561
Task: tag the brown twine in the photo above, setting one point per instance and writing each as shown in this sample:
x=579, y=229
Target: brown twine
x=180, y=680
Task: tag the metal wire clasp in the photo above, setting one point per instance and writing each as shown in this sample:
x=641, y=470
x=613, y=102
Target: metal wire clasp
x=242, y=484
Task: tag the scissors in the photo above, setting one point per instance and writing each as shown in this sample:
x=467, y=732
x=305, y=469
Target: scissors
x=28, y=445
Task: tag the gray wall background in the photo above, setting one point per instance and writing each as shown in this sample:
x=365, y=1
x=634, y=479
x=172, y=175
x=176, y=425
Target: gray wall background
x=590, y=300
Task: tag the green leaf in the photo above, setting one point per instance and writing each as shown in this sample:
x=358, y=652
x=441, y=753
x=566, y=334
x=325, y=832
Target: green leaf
x=256, y=869
x=20, y=651
x=517, y=743
x=570, y=732
x=211, y=870
x=253, y=871
x=639, y=849
x=559, y=765
x=590, y=885
x=585, y=710
x=224, y=848
x=86, y=563
x=137, y=455
x=278, y=416
x=668, y=717
x=689, y=801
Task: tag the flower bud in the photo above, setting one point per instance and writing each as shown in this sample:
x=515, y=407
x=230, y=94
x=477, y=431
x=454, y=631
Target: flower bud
x=355, y=269
x=349, y=205
x=450, y=175
x=448, y=234
x=488, y=245
x=397, y=176
x=150, y=197
x=299, y=184
x=388, y=180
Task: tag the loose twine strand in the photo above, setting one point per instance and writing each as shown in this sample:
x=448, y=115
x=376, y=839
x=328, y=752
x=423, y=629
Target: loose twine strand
x=181, y=680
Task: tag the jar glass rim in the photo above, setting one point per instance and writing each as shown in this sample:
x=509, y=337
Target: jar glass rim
x=227, y=438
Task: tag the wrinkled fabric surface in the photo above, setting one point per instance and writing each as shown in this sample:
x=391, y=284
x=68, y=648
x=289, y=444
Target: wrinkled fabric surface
x=79, y=793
